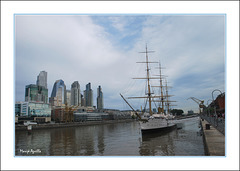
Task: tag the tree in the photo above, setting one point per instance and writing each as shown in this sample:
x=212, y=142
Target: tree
x=177, y=112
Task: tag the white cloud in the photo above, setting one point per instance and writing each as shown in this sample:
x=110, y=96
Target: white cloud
x=79, y=48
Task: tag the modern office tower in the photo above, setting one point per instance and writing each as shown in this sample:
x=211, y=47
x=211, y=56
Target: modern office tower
x=99, y=98
x=88, y=95
x=75, y=94
x=42, y=79
x=58, y=96
x=82, y=100
x=68, y=97
x=35, y=93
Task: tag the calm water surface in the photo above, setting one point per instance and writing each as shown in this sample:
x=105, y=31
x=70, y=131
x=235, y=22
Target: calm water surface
x=121, y=139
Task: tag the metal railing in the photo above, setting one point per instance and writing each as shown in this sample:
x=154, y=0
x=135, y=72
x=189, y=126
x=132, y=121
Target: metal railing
x=216, y=122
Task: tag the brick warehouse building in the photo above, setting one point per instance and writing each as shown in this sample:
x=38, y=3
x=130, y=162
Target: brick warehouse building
x=57, y=114
x=220, y=103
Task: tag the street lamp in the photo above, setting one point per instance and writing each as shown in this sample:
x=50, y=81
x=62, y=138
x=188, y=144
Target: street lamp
x=214, y=101
x=208, y=106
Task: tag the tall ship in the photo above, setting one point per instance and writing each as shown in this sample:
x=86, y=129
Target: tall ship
x=159, y=120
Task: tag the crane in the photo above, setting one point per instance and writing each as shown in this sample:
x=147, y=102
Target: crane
x=199, y=102
x=69, y=112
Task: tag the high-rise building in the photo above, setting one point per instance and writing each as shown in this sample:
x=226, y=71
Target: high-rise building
x=82, y=100
x=35, y=93
x=75, y=94
x=58, y=96
x=99, y=98
x=88, y=96
x=68, y=97
x=42, y=79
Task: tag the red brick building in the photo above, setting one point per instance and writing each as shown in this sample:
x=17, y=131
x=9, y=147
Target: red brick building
x=57, y=114
x=220, y=103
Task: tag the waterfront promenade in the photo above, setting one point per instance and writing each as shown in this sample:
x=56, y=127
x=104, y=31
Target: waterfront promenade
x=214, y=140
x=218, y=123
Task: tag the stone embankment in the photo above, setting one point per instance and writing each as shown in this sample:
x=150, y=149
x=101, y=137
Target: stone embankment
x=213, y=139
x=73, y=124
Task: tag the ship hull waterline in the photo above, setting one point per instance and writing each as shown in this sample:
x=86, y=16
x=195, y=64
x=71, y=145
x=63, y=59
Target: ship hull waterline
x=159, y=130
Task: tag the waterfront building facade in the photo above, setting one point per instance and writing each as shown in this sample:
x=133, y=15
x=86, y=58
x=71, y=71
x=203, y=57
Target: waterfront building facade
x=42, y=79
x=21, y=109
x=40, y=112
x=83, y=117
x=58, y=114
x=88, y=96
x=38, y=109
x=35, y=111
x=75, y=94
x=99, y=98
x=36, y=93
x=62, y=114
x=58, y=96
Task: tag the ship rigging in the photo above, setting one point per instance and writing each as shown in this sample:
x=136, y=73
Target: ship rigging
x=151, y=121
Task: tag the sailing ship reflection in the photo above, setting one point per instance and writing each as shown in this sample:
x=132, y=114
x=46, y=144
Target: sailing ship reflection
x=158, y=144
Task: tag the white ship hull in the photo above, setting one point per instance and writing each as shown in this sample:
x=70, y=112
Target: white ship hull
x=156, y=125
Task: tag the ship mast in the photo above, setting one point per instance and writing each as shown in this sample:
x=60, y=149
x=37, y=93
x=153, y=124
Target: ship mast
x=161, y=88
x=149, y=94
x=149, y=97
x=148, y=81
x=163, y=98
x=168, y=102
x=167, y=98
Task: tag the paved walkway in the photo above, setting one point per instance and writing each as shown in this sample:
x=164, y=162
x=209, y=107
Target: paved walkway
x=214, y=140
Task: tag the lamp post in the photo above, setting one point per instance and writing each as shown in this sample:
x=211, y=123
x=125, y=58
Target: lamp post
x=208, y=106
x=214, y=101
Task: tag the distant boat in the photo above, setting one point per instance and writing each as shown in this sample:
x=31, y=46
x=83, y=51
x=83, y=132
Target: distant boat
x=150, y=121
x=29, y=125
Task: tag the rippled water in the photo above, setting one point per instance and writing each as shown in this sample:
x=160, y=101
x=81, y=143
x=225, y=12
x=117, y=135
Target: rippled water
x=121, y=139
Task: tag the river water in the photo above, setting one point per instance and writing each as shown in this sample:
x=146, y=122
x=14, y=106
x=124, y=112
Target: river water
x=119, y=139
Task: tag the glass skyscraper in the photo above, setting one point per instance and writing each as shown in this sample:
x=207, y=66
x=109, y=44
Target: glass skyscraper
x=42, y=79
x=35, y=93
x=68, y=97
x=58, y=96
x=88, y=95
x=99, y=98
x=75, y=94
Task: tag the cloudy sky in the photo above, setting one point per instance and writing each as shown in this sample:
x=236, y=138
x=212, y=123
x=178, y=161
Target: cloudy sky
x=104, y=49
